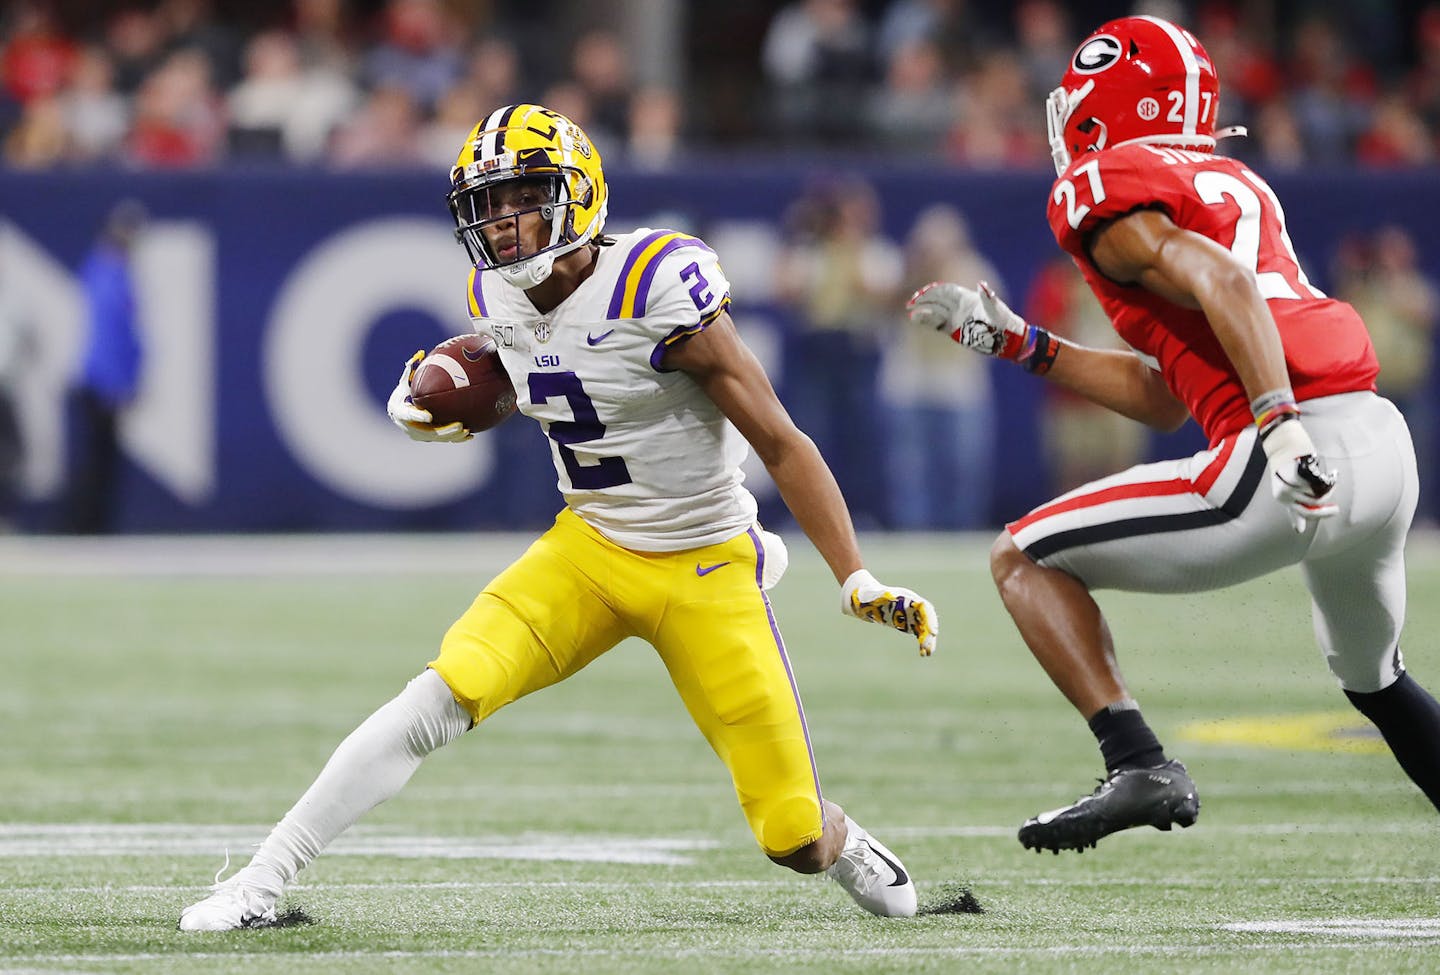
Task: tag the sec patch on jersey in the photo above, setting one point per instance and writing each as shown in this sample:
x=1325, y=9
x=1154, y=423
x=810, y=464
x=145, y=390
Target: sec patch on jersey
x=462, y=381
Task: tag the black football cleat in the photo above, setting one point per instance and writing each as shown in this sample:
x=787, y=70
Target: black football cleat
x=1159, y=797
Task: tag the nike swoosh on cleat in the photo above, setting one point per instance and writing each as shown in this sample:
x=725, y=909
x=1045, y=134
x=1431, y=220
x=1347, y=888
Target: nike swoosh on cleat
x=597, y=339
x=900, y=878
x=705, y=570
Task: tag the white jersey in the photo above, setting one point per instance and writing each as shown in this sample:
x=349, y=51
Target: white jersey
x=642, y=454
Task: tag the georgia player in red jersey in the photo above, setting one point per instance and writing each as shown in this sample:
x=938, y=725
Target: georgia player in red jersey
x=1187, y=252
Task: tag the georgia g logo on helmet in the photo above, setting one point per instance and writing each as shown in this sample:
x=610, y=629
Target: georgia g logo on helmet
x=1096, y=54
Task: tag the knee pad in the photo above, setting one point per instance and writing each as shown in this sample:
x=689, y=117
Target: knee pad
x=787, y=824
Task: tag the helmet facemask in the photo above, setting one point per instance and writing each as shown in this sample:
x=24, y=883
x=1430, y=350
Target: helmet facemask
x=475, y=209
x=1059, y=106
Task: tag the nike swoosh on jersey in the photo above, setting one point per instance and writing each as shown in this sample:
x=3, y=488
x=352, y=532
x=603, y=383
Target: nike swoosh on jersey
x=900, y=879
x=597, y=339
x=705, y=570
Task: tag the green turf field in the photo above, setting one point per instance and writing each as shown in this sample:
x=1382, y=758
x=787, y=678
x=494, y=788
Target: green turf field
x=155, y=711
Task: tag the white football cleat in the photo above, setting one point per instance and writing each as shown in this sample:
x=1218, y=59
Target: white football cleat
x=231, y=905
x=873, y=875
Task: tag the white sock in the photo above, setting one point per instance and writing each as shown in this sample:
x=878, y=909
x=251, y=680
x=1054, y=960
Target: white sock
x=370, y=766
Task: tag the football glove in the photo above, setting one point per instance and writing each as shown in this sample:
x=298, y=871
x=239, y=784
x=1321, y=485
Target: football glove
x=864, y=597
x=1299, y=479
x=979, y=320
x=418, y=424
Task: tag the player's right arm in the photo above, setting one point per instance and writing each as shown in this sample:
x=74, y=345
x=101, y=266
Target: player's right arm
x=1116, y=379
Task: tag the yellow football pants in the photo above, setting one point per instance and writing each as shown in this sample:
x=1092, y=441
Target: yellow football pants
x=574, y=594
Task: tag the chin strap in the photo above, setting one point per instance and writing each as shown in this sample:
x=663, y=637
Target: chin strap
x=535, y=270
x=531, y=272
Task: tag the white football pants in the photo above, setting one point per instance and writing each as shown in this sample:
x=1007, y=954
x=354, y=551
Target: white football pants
x=1209, y=521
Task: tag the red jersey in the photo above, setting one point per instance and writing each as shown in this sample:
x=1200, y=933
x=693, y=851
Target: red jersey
x=1327, y=348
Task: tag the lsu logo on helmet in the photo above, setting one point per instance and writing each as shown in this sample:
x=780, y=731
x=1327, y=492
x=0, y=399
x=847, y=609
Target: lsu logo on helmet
x=562, y=167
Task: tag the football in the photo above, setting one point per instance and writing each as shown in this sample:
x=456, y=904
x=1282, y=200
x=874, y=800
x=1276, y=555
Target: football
x=462, y=381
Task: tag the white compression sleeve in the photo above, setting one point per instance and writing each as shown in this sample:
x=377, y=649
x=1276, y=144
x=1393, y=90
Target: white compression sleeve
x=368, y=767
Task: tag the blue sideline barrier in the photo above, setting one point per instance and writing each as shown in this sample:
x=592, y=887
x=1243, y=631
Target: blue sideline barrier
x=280, y=304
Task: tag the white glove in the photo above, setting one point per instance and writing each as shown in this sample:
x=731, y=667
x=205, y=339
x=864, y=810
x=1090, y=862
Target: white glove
x=979, y=320
x=418, y=424
x=864, y=597
x=1299, y=479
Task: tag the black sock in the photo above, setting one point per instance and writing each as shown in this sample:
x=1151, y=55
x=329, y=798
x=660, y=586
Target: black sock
x=1126, y=741
x=1409, y=719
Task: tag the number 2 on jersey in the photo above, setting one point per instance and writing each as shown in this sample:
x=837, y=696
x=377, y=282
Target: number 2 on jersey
x=1213, y=188
x=699, y=287
x=586, y=426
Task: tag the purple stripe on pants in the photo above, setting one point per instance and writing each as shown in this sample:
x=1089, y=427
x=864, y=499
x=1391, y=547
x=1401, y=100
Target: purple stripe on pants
x=790, y=674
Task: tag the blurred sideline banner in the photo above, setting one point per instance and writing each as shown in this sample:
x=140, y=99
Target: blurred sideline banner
x=277, y=307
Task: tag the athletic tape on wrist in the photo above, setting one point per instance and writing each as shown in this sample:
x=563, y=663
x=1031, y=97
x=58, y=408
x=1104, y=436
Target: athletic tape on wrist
x=1038, y=353
x=1273, y=407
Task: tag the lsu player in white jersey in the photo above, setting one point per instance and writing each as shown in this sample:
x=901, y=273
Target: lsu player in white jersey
x=623, y=350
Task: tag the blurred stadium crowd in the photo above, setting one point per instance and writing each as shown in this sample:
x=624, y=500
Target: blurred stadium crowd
x=367, y=83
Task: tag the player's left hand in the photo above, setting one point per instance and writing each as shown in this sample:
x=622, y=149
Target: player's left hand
x=977, y=319
x=418, y=424
x=865, y=597
x=950, y=309
x=1299, y=478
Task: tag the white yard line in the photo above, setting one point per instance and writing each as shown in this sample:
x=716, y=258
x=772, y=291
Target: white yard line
x=510, y=793
x=209, y=840
x=1362, y=927
x=439, y=885
x=988, y=880
x=769, y=953
x=82, y=833
x=1357, y=826
x=169, y=839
